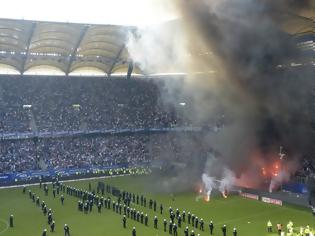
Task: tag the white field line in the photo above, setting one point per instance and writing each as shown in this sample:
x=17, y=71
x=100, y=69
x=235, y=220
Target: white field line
x=63, y=181
x=6, y=226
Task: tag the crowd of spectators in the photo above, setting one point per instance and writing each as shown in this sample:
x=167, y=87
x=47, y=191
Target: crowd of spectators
x=71, y=104
x=98, y=151
x=72, y=152
x=52, y=104
x=82, y=152
x=17, y=156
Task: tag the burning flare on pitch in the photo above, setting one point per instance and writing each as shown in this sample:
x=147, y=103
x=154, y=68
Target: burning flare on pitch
x=225, y=193
x=207, y=197
x=209, y=184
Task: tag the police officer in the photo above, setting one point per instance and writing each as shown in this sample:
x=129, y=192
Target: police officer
x=11, y=221
x=128, y=212
x=52, y=226
x=134, y=233
x=138, y=216
x=179, y=221
x=49, y=218
x=45, y=210
x=186, y=232
x=193, y=217
x=124, y=221
x=155, y=222
x=146, y=219
x=37, y=201
x=196, y=222
x=170, y=210
x=170, y=228
x=164, y=224
x=125, y=210
x=161, y=209
x=141, y=217
x=67, y=230
x=150, y=204
x=189, y=217
x=177, y=212
x=211, y=227
x=234, y=232
x=201, y=224
x=99, y=207
x=174, y=229
x=224, y=230
x=62, y=198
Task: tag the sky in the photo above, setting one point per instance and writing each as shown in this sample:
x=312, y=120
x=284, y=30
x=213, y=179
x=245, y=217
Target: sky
x=117, y=12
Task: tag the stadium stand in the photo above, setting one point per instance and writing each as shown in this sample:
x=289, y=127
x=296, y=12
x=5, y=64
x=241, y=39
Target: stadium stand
x=62, y=104
x=78, y=152
x=97, y=151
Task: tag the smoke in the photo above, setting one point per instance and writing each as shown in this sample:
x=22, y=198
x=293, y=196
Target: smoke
x=227, y=181
x=224, y=185
x=246, y=59
x=217, y=176
x=209, y=184
x=159, y=49
x=282, y=175
x=277, y=180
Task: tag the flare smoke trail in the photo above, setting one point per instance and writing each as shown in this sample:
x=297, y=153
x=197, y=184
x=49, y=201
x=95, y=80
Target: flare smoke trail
x=246, y=57
x=209, y=184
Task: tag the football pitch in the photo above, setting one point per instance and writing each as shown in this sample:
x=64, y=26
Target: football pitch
x=248, y=216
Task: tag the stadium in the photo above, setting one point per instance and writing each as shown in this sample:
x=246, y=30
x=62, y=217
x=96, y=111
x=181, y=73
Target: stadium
x=156, y=117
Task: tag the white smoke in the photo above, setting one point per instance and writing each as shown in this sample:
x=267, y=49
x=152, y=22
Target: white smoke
x=277, y=181
x=159, y=48
x=209, y=184
x=222, y=181
x=227, y=181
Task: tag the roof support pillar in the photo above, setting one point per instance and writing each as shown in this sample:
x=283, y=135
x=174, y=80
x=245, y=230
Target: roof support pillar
x=116, y=59
x=29, y=40
x=75, y=49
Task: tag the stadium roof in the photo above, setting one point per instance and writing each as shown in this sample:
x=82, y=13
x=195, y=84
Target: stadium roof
x=297, y=23
x=70, y=47
x=66, y=46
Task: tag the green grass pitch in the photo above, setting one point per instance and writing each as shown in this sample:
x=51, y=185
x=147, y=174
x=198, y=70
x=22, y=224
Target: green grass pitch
x=249, y=216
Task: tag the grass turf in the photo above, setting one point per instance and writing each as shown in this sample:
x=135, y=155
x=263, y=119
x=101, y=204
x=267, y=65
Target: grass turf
x=249, y=216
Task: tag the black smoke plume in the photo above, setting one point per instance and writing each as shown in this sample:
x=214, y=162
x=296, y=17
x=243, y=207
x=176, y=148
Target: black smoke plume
x=266, y=100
